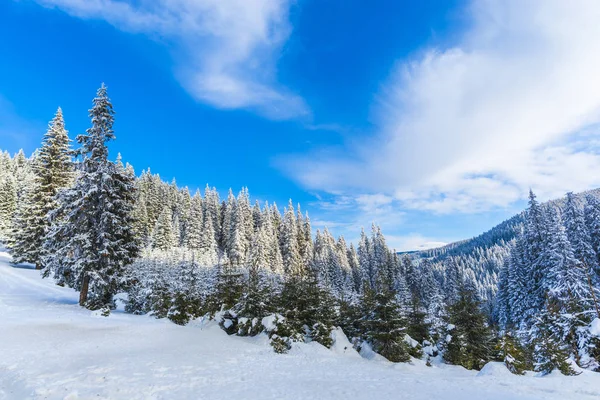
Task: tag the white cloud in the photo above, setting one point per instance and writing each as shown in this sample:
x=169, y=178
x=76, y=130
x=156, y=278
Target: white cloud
x=229, y=47
x=412, y=242
x=472, y=127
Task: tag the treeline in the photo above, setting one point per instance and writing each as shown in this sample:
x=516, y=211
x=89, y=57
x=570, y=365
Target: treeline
x=91, y=224
x=549, y=285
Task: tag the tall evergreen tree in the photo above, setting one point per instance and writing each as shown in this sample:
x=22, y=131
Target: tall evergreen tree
x=91, y=238
x=163, y=236
x=292, y=263
x=53, y=171
x=470, y=337
x=383, y=325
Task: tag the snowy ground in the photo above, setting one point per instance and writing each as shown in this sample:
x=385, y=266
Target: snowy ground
x=52, y=349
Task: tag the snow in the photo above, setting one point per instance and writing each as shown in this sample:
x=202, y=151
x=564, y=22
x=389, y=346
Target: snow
x=495, y=369
x=595, y=327
x=269, y=321
x=410, y=341
x=50, y=348
x=341, y=344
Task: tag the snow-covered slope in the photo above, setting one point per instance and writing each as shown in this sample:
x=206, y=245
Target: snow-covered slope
x=50, y=348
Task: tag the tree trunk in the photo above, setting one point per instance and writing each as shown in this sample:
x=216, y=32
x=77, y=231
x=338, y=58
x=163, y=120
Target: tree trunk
x=38, y=265
x=84, y=290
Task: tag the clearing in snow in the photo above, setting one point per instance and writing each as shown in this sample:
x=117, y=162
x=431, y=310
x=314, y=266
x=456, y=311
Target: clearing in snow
x=50, y=348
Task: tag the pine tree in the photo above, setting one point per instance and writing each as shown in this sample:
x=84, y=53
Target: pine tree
x=382, y=324
x=256, y=302
x=194, y=228
x=307, y=307
x=418, y=327
x=187, y=299
x=229, y=288
x=355, y=268
x=515, y=356
x=292, y=263
x=368, y=272
x=8, y=206
x=550, y=352
x=470, y=337
x=163, y=234
x=208, y=244
x=577, y=232
x=92, y=238
x=536, y=228
x=53, y=171
x=592, y=221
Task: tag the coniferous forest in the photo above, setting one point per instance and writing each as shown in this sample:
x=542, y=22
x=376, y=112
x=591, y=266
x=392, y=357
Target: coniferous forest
x=526, y=293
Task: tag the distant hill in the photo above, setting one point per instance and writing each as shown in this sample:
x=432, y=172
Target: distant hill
x=481, y=257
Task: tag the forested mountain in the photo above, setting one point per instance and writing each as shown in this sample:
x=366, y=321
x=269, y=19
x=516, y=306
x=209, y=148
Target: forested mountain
x=91, y=224
x=481, y=257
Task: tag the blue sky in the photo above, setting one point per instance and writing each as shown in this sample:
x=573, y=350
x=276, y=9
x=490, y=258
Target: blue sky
x=431, y=118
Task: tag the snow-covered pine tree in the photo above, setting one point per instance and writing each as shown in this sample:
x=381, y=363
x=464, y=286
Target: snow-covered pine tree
x=209, y=252
x=194, y=229
x=355, y=267
x=383, y=325
x=368, y=272
x=8, y=205
x=53, y=171
x=592, y=221
x=163, y=235
x=515, y=356
x=550, y=352
x=256, y=301
x=238, y=243
x=567, y=284
x=536, y=237
x=91, y=237
x=468, y=340
x=187, y=298
x=577, y=232
x=292, y=263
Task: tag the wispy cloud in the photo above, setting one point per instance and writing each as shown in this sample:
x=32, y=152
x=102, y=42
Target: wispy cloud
x=471, y=127
x=230, y=47
x=412, y=242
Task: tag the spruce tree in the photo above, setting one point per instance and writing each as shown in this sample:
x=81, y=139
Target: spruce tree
x=515, y=356
x=470, y=337
x=163, y=236
x=292, y=263
x=91, y=238
x=550, y=352
x=8, y=206
x=383, y=325
x=578, y=233
x=255, y=303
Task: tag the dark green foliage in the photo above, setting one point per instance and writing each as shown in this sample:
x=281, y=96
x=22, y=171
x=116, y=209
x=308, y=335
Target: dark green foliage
x=254, y=305
x=308, y=308
x=348, y=318
x=550, y=351
x=321, y=333
x=160, y=299
x=418, y=327
x=470, y=337
x=137, y=302
x=383, y=325
x=182, y=309
x=229, y=322
x=229, y=289
x=283, y=335
x=516, y=357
